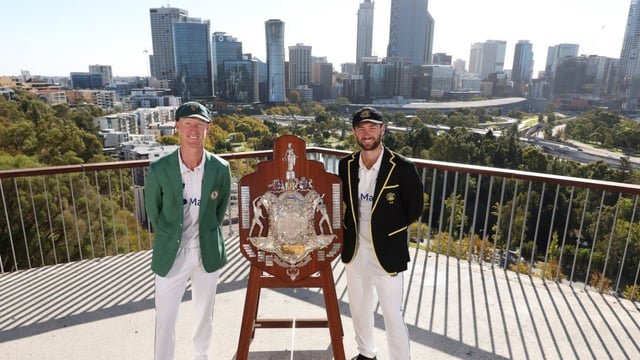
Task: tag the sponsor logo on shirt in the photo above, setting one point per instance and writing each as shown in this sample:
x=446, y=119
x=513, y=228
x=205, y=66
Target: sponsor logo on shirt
x=191, y=202
x=366, y=197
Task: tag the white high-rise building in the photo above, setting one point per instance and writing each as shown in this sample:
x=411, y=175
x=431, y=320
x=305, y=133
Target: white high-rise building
x=487, y=57
x=163, y=60
x=299, y=65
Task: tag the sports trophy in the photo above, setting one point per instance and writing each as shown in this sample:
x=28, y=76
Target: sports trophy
x=290, y=221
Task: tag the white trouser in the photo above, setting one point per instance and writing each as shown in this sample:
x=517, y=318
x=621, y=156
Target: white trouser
x=363, y=275
x=168, y=295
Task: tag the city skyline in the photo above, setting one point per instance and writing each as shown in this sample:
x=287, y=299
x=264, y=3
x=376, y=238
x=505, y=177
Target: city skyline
x=51, y=39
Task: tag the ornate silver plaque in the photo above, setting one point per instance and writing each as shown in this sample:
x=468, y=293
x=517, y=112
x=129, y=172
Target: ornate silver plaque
x=289, y=206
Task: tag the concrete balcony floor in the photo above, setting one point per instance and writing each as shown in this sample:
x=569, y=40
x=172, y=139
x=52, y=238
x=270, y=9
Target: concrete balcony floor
x=103, y=309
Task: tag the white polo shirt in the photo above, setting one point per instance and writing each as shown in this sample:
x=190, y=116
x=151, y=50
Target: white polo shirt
x=191, y=192
x=366, y=259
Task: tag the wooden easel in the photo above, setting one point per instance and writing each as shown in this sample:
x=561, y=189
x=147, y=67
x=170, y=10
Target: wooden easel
x=250, y=322
x=288, y=162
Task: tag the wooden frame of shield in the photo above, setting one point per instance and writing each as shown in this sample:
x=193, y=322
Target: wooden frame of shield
x=290, y=224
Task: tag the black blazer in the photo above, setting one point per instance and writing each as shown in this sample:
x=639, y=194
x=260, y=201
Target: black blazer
x=397, y=203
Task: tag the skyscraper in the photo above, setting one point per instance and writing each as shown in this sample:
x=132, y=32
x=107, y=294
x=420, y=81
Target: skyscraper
x=193, y=59
x=365, y=33
x=274, y=30
x=522, y=62
x=487, y=58
x=162, y=65
x=629, y=80
x=225, y=47
x=475, y=58
x=522, y=66
x=299, y=65
x=410, y=31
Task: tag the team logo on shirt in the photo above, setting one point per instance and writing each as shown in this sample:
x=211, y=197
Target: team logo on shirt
x=391, y=198
x=214, y=195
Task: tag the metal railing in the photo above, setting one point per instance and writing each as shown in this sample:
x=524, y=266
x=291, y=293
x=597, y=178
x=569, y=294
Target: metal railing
x=558, y=228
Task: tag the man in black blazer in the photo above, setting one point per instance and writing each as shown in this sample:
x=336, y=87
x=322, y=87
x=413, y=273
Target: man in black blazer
x=383, y=195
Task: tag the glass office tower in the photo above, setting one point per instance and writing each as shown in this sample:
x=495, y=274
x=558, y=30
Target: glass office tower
x=194, y=79
x=629, y=79
x=364, y=42
x=274, y=30
x=410, y=31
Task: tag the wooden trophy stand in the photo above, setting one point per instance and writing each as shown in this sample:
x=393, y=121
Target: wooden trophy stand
x=290, y=220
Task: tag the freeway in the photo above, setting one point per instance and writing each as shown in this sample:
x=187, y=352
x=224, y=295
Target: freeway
x=579, y=152
x=570, y=150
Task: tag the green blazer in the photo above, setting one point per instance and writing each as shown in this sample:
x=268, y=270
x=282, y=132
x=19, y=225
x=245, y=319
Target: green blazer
x=163, y=200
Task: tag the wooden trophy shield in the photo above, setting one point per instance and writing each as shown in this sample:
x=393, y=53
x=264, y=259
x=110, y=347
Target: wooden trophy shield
x=290, y=213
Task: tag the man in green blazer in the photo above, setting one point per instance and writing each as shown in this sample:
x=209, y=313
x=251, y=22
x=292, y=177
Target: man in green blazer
x=186, y=197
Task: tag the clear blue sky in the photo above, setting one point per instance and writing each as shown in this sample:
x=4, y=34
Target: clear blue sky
x=58, y=37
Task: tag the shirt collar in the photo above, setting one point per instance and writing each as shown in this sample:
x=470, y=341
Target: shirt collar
x=376, y=165
x=184, y=168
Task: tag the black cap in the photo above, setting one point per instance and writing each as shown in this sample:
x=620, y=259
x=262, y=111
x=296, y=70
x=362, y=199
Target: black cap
x=368, y=114
x=193, y=109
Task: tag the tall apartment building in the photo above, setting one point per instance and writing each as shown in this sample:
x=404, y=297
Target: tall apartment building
x=105, y=70
x=487, y=58
x=410, y=31
x=629, y=78
x=274, y=31
x=225, y=47
x=475, y=58
x=299, y=65
x=364, y=40
x=163, y=60
x=194, y=78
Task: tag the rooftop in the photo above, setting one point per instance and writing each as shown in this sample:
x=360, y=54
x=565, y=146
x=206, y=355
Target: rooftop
x=454, y=309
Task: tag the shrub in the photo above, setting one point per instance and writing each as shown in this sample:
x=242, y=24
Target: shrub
x=631, y=292
x=600, y=282
x=521, y=267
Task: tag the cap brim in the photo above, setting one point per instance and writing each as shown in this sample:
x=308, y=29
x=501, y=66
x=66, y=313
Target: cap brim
x=200, y=117
x=370, y=120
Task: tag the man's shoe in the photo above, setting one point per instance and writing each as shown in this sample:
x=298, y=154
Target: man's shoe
x=362, y=357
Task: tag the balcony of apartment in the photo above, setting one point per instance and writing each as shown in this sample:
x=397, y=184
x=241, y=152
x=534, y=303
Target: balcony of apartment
x=505, y=265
